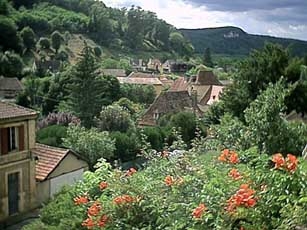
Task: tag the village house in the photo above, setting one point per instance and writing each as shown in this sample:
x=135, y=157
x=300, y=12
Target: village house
x=9, y=88
x=17, y=163
x=138, y=65
x=207, y=87
x=112, y=72
x=30, y=173
x=140, y=78
x=168, y=102
x=55, y=168
x=154, y=64
x=167, y=65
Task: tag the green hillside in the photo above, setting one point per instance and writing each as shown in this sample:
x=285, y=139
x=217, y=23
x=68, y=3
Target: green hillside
x=27, y=29
x=235, y=41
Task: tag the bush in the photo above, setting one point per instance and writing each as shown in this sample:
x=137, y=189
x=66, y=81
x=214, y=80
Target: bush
x=51, y=135
x=195, y=191
x=91, y=143
x=127, y=146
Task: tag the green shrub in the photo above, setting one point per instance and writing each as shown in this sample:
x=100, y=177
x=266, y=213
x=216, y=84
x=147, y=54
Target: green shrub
x=51, y=135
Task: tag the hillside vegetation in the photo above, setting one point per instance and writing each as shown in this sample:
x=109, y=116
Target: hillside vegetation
x=234, y=41
x=128, y=30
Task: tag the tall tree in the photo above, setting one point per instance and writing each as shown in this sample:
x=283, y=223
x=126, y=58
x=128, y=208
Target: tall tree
x=207, y=58
x=28, y=37
x=56, y=40
x=86, y=89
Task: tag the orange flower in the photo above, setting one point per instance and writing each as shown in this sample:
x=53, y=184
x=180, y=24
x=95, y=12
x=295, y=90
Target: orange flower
x=229, y=156
x=243, y=197
x=279, y=160
x=80, y=200
x=234, y=173
x=130, y=172
x=103, y=221
x=233, y=158
x=94, y=209
x=292, y=163
x=103, y=185
x=89, y=223
x=198, y=211
x=169, y=180
x=123, y=199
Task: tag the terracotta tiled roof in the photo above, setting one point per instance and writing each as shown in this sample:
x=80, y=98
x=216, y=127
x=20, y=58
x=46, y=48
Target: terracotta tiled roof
x=140, y=81
x=168, y=102
x=113, y=72
x=167, y=82
x=206, y=77
x=179, y=85
x=142, y=75
x=48, y=159
x=10, y=83
x=9, y=110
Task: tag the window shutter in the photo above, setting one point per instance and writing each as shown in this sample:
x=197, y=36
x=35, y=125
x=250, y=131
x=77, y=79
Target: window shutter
x=21, y=138
x=4, y=141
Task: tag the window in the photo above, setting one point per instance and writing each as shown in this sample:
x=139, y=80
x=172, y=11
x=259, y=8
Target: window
x=12, y=139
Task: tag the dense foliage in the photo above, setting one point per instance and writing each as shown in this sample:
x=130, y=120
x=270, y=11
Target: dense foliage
x=194, y=191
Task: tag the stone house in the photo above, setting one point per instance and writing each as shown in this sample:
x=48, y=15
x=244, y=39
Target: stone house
x=168, y=102
x=17, y=163
x=206, y=85
x=140, y=78
x=154, y=64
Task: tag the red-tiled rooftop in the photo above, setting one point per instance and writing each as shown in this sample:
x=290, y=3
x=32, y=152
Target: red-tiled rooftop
x=48, y=159
x=9, y=110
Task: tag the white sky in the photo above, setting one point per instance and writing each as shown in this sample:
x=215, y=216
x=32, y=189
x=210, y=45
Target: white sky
x=184, y=14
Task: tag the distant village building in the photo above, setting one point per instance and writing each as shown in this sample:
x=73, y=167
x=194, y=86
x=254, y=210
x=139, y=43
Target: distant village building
x=140, y=78
x=112, y=72
x=167, y=65
x=138, y=65
x=204, y=86
x=9, y=88
x=154, y=64
x=172, y=66
x=168, y=102
x=17, y=163
x=231, y=34
x=56, y=167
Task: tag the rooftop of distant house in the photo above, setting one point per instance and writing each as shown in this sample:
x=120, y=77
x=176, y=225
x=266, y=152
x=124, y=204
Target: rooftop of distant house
x=9, y=111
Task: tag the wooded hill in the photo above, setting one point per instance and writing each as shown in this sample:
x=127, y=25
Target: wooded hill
x=128, y=30
x=234, y=41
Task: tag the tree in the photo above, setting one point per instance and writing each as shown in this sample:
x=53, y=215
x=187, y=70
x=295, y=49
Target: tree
x=254, y=75
x=28, y=37
x=86, y=88
x=9, y=38
x=91, y=143
x=114, y=118
x=44, y=43
x=4, y=7
x=11, y=65
x=207, y=61
x=56, y=40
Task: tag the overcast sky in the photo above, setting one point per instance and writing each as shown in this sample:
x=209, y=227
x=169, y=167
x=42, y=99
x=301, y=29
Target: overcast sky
x=281, y=18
